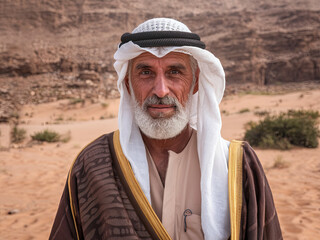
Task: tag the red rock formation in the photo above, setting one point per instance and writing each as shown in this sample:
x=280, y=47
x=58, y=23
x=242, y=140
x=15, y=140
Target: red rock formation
x=257, y=42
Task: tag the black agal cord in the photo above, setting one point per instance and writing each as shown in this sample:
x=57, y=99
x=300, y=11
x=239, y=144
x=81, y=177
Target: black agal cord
x=163, y=39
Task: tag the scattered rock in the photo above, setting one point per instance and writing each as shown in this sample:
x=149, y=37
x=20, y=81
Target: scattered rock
x=90, y=83
x=13, y=211
x=89, y=75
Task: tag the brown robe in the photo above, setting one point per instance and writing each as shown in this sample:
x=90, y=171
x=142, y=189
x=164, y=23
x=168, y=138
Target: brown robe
x=106, y=209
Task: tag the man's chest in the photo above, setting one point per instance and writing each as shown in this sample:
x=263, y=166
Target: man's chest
x=178, y=204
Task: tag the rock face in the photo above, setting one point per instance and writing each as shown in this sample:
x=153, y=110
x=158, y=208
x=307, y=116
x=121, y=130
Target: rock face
x=67, y=42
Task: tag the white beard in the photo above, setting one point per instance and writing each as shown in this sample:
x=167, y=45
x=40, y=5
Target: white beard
x=161, y=128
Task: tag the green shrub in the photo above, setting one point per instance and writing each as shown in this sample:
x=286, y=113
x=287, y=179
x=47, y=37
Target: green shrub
x=18, y=134
x=65, y=137
x=244, y=110
x=304, y=114
x=281, y=131
x=46, y=136
x=74, y=101
x=261, y=113
x=104, y=105
x=59, y=119
x=280, y=163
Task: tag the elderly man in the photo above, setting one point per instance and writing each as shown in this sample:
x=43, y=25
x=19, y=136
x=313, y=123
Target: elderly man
x=167, y=173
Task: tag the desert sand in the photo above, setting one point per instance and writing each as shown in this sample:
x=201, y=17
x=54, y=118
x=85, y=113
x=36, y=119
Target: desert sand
x=32, y=176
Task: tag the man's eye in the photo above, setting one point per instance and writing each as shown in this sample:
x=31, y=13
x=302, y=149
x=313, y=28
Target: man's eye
x=145, y=72
x=174, y=72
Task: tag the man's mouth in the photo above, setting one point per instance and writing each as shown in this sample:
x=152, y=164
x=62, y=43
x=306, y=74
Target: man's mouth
x=160, y=106
x=161, y=110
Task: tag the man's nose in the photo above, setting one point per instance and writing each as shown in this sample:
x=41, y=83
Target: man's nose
x=161, y=85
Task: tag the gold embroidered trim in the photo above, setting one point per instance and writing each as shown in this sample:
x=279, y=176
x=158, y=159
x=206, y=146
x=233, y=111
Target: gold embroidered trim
x=235, y=187
x=71, y=201
x=137, y=191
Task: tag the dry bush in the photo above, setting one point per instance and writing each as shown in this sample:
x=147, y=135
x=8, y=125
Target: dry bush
x=18, y=134
x=280, y=163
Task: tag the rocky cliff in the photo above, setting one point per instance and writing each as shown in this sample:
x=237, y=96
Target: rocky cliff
x=66, y=47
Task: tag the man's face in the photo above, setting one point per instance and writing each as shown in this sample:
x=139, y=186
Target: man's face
x=161, y=88
x=170, y=76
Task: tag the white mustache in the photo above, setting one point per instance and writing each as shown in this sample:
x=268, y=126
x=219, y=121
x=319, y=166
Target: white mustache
x=167, y=100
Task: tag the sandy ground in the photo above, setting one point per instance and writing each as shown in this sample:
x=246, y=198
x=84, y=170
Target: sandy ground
x=32, y=178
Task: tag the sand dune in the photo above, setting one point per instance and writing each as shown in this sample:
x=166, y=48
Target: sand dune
x=32, y=178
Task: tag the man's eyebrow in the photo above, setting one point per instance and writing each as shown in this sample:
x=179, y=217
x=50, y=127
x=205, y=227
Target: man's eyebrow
x=178, y=66
x=142, y=65
x=172, y=66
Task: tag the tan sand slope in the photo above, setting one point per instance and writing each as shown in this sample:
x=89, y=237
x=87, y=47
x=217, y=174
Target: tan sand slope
x=32, y=178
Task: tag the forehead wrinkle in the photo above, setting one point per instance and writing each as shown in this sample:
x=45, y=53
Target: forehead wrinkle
x=172, y=58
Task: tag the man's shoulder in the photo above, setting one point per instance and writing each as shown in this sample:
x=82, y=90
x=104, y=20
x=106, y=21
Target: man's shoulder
x=250, y=159
x=251, y=163
x=95, y=150
x=100, y=142
x=249, y=153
